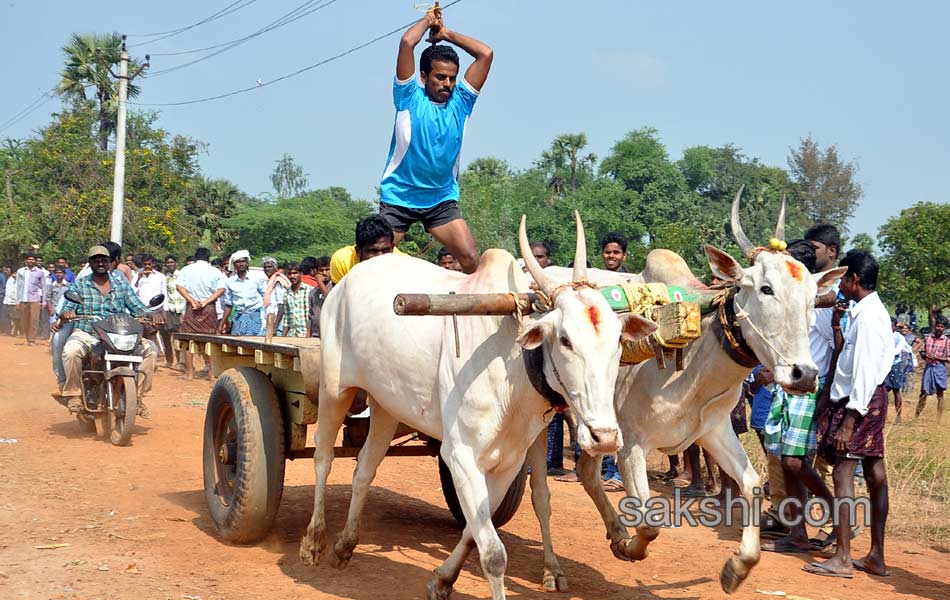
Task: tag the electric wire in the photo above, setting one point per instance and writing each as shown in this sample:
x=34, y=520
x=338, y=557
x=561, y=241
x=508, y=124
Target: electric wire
x=280, y=22
x=292, y=74
x=265, y=29
x=227, y=10
x=30, y=108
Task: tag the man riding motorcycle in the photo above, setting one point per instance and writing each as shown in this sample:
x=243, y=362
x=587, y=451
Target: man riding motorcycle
x=102, y=296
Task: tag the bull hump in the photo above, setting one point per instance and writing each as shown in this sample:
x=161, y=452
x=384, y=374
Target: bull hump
x=494, y=274
x=666, y=266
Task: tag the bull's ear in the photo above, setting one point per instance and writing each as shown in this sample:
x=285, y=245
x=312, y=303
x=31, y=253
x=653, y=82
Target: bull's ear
x=634, y=327
x=533, y=335
x=723, y=266
x=827, y=279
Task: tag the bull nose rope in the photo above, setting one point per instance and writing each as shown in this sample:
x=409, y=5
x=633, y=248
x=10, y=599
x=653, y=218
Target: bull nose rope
x=741, y=314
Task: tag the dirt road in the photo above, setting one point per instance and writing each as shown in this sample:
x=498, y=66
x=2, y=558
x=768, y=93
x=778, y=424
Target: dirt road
x=131, y=523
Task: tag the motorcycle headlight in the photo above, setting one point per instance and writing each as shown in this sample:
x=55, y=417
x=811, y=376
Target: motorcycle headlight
x=124, y=343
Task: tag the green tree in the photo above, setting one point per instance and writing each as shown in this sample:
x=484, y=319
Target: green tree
x=62, y=192
x=826, y=184
x=916, y=256
x=89, y=60
x=314, y=224
x=863, y=241
x=288, y=178
x=212, y=203
x=563, y=162
x=716, y=174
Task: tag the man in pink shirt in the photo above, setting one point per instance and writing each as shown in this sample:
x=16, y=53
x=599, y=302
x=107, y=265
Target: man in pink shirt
x=32, y=285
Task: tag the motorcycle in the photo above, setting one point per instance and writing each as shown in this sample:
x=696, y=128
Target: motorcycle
x=109, y=393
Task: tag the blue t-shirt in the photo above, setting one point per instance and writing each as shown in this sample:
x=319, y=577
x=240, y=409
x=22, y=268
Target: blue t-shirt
x=423, y=164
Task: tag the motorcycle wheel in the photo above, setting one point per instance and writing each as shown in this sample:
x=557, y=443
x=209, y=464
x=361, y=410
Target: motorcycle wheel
x=122, y=416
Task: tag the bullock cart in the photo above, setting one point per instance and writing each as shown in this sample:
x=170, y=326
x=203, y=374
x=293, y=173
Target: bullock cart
x=260, y=406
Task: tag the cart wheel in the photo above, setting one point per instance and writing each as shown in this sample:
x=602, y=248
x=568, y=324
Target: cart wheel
x=509, y=504
x=243, y=455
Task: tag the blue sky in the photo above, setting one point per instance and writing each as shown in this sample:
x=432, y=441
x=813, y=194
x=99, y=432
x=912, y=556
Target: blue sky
x=870, y=77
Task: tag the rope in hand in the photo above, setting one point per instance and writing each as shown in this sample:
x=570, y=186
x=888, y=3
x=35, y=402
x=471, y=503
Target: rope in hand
x=435, y=10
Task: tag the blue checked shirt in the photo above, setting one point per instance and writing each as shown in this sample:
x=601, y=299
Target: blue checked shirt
x=121, y=299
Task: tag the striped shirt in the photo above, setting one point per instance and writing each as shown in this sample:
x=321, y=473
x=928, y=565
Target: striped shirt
x=121, y=299
x=936, y=348
x=297, y=314
x=176, y=302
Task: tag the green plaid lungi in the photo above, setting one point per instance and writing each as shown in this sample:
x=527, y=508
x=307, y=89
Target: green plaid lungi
x=790, y=426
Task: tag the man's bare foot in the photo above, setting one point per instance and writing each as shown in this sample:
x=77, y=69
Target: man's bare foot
x=569, y=477
x=871, y=565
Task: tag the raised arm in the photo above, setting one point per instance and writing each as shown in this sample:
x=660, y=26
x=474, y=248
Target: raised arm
x=406, y=63
x=477, y=73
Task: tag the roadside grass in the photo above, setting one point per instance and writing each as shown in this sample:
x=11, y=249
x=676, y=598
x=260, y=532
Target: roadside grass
x=917, y=456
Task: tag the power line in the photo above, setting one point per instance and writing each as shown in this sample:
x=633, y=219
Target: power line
x=221, y=45
x=227, y=10
x=30, y=108
x=293, y=74
x=286, y=19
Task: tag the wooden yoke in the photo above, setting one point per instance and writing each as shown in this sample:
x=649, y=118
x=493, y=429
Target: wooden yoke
x=463, y=304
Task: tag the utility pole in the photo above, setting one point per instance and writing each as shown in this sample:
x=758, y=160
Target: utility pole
x=118, y=186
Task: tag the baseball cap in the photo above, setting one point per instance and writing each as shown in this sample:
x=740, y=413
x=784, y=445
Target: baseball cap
x=98, y=251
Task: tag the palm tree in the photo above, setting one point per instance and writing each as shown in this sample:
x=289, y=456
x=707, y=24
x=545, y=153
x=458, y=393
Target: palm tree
x=89, y=58
x=216, y=200
x=563, y=156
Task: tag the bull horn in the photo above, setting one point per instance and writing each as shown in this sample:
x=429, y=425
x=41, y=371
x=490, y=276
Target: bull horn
x=744, y=244
x=780, y=228
x=545, y=283
x=580, y=254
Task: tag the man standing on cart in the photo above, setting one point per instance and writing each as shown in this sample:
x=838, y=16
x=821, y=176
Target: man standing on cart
x=420, y=182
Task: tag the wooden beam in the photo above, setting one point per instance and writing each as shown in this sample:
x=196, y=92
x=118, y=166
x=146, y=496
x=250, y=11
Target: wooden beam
x=349, y=452
x=282, y=361
x=263, y=358
x=462, y=304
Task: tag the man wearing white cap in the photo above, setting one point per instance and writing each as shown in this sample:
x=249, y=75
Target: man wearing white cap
x=244, y=297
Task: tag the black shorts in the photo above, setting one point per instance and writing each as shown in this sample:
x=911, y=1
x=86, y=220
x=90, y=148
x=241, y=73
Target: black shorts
x=400, y=217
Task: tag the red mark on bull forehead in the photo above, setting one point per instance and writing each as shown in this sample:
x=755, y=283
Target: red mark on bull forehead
x=794, y=269
x=593, y=315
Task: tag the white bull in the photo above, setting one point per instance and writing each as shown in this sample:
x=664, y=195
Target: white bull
x=482, y=404
x=772, y=310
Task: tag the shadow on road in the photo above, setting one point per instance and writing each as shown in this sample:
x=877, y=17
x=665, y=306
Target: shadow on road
x=394, y=522
x=69, y=428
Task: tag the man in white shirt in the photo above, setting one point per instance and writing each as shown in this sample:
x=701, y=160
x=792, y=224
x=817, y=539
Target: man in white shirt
x=147, y=284
x=853, y=426
x=201, y=285
x=174, y=307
